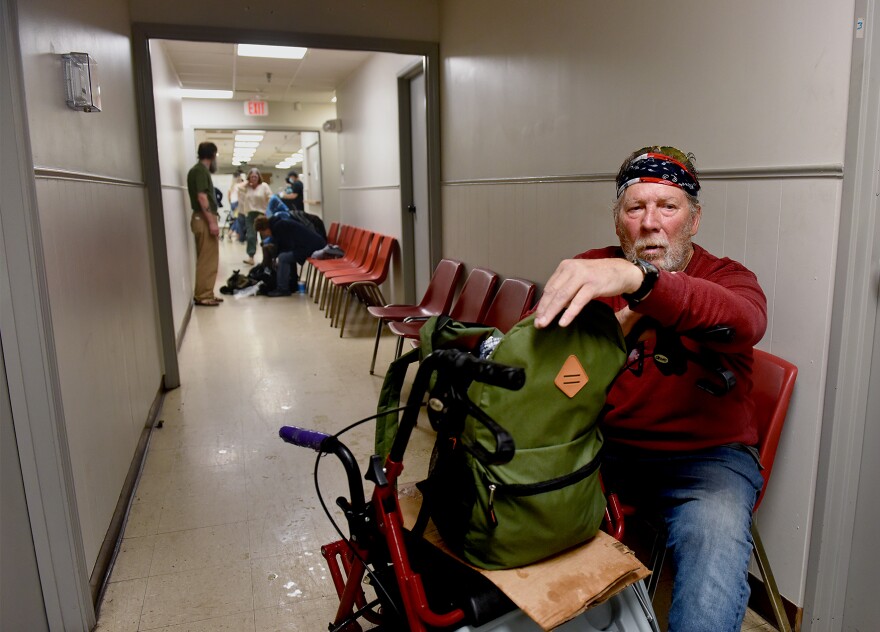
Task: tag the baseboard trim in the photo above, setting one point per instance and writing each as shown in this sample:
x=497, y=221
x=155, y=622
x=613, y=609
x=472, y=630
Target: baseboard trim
x=184, y=325
x=113, y=538
x=760, y=603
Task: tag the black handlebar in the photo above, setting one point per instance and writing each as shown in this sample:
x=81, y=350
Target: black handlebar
x=479, y=370
x=455, y=371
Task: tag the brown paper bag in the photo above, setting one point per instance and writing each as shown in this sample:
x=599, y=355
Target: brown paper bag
x=556, y=589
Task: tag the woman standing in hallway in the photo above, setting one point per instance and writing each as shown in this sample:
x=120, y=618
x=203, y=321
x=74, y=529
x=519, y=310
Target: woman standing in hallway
x=254, y=196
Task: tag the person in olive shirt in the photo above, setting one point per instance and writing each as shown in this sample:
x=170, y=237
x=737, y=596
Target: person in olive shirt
x=204, y=225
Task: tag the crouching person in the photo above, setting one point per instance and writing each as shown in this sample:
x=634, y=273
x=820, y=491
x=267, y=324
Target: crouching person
x=293, y=244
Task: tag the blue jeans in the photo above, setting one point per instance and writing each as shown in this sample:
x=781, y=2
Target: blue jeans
x=277, y=207
x=284, y=261
x=705, y=498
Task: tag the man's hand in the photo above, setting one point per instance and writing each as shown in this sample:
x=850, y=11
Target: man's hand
x=213, y=227
x=578, y=281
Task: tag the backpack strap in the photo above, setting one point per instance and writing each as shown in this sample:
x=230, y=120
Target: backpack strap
x=389, y=400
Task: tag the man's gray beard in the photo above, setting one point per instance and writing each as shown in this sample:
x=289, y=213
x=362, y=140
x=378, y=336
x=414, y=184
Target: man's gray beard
x=673, y=260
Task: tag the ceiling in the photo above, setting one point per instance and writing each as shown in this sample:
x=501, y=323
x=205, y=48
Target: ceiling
x=312, y=79
x=275, y=147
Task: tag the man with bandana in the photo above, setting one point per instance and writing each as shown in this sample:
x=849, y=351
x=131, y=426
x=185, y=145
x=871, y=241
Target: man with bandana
x=203, y=224
x=680, y=438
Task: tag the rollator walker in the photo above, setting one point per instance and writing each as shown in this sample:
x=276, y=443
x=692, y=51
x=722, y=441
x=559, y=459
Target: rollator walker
x=418, y=587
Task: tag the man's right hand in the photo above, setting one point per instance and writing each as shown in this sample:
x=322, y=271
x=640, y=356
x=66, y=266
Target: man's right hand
x=578, y=281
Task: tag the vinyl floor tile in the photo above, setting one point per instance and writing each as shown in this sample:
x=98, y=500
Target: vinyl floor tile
x=134, y=558
x=242, y=622
x=193, y=596
x=121, y=606
x=194, y=549
x=290, y=579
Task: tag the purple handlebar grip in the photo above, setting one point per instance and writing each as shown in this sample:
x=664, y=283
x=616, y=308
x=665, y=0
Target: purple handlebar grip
x=303, y=438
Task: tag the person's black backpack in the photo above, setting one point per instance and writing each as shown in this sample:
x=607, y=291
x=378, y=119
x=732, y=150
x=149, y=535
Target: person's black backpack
x=312, y=221
x=237, y=282
x=265, y=276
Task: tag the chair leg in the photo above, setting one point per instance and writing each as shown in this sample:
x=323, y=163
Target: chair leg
x=641, y=594
x=658, y=556
x=399, y=348
x=324, y=289
x=773, y=595
x=376, y=346
x=331, y=301
x=344, y=310
x=337, y=302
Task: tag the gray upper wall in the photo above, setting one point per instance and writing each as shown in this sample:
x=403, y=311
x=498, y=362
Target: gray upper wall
x=572, y=87
x=540, y=109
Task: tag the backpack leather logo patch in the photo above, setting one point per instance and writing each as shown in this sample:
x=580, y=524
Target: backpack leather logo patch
x=571, y=377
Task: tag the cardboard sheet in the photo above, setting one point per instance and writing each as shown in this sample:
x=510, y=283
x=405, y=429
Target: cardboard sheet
x=559, y=588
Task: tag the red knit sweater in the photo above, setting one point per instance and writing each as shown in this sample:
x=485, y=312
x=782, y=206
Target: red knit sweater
x=669, y=412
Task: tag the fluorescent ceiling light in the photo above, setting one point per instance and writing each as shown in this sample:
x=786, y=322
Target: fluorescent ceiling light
x=189, y=93
x=333, y=100
x=248, y=137
x=245, y=144
x=275, y=52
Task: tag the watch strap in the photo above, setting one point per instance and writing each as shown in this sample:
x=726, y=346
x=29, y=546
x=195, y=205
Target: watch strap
x=650, y=273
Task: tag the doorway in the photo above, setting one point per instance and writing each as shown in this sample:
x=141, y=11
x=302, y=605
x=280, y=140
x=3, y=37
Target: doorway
x=143, y=34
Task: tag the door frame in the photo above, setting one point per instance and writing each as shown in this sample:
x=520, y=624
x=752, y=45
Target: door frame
x=853, y=318
x=407, y=222
x=142, y=33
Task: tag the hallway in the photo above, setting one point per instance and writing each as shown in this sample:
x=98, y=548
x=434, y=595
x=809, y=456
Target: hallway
x=224, y=530
x=225, y=527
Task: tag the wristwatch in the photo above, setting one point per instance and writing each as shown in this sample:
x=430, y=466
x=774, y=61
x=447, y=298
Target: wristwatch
x=647, y=285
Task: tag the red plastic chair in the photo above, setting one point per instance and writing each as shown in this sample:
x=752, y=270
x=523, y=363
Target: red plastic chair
x=336, y=235
x=366, y=267
x=437, y=300
x=470, y=306
x=365, y=286
x=511, y=303
x=354, y=257
x=346, y=240
x=333, y=232
x=773, y=383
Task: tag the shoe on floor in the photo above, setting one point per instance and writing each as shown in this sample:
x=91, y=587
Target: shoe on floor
x=276, y=293
x=249, y=261
x=208, y=302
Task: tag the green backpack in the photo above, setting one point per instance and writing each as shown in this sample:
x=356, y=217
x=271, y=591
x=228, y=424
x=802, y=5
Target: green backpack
x=548, y=497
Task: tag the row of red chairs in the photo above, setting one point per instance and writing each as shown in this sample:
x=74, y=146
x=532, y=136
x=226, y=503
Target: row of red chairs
x=359, y=272
x=478, y=302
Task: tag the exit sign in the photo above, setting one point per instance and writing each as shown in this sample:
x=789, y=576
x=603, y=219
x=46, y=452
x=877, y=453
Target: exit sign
x=256, y=108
